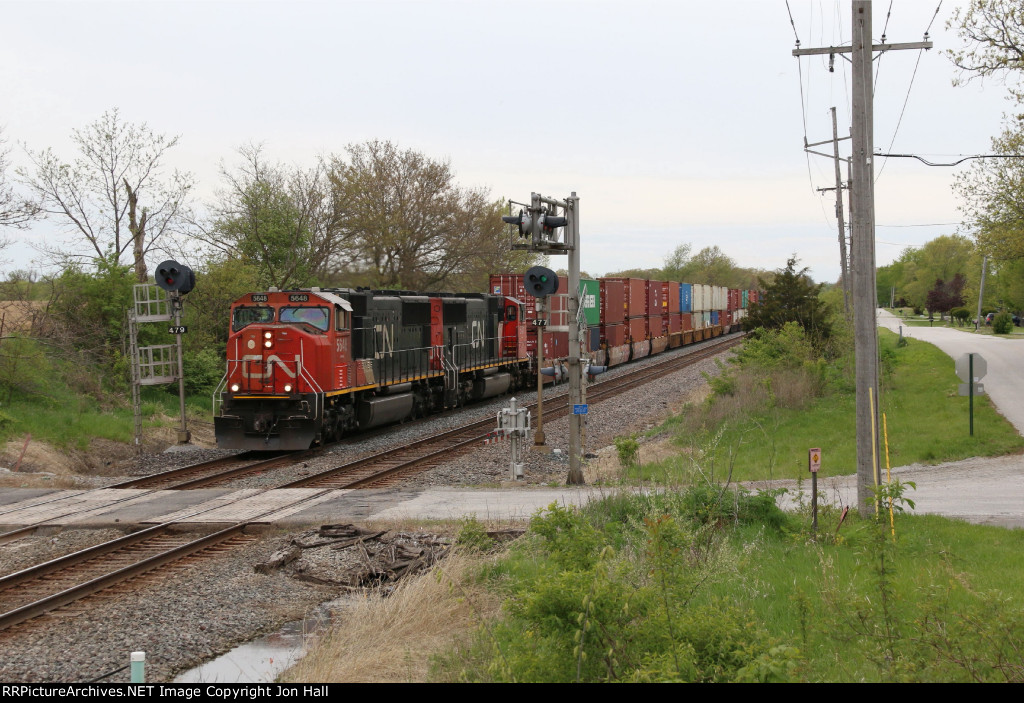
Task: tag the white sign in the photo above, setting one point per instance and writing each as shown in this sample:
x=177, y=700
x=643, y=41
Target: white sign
x=963, y=368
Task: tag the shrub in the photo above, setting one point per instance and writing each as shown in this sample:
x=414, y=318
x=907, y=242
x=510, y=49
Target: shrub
x=628, y=450
x=1002, y=323
x=960, y=315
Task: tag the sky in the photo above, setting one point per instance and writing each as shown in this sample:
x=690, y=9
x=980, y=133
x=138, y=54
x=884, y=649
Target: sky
x=674, y=121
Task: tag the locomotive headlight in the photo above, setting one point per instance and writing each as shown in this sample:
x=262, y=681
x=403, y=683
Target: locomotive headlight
x=268, y=334
x=268, y=344
x=234, y=387
x=287, y=388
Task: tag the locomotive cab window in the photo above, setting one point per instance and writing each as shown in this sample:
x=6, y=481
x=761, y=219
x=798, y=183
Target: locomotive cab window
x=245, y=316
x=342, y=319
x=510, y=313
x=313, y=316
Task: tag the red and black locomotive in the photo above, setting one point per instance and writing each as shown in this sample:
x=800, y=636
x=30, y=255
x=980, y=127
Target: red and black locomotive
x=308, y=366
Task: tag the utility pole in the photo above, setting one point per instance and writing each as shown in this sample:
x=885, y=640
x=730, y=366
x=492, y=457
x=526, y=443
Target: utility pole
x=862, y=240
x=843, y=258
x=981, y=291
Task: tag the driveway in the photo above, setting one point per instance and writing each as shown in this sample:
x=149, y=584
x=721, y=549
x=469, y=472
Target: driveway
x=1004, y=382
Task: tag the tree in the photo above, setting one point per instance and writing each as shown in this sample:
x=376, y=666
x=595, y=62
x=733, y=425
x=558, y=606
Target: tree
x=15, y=212
x=943, y=296
x=411, y=226
x=115, y=195
x=993, y=34
x=282, y=221
x=792, y=297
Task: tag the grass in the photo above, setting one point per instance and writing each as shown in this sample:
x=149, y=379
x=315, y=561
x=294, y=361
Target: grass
x=742, y=599
x=926, y=419
x=70, y=421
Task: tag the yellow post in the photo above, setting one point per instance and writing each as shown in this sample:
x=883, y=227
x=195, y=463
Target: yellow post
x=888, y=473
x=874, y=441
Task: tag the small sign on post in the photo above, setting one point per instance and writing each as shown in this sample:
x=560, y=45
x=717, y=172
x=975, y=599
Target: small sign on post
x=814, y=465
x=814, y=460
x=581, y=409
x=971, y=368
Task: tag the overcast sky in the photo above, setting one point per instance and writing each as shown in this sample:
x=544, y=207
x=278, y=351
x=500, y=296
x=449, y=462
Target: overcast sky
x=674, y=121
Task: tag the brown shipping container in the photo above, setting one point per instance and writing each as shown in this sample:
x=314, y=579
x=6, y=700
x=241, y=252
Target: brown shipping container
x=671, y=296
x=614, y=335
x=675, y=322
x=656, y=325
x=637, y=328
x=687, y=321
x=636, y=296
x=654, y=298
x=613, y=301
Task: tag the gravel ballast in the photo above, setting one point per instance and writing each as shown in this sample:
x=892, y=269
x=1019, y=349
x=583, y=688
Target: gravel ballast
x=195, y=612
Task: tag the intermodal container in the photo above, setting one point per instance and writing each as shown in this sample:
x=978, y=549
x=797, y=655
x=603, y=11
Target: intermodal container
x=685, y=297
x=746, y=299
x=715, y=317
x=593, y=338
x=656, y=325
x=687, y=321
x=635, y=290
x=655, y=296
x=614, y=335
x=612, y=300
x=670, y=296
x=675, y=322
x=590, y=301
x=636, y=328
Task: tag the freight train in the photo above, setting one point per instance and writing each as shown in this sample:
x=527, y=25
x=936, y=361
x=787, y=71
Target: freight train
x=308, y=366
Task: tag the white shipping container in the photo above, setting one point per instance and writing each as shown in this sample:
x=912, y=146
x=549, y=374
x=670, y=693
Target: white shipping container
x=698, y=300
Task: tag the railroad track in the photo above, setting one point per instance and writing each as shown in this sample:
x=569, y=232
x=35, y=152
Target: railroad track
x=387, y=468
x=61, y=584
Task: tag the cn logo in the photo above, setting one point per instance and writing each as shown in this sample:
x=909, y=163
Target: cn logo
x=268, y=366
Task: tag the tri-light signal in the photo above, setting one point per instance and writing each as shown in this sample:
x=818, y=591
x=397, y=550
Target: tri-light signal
x=540, y=281
x=175, y=277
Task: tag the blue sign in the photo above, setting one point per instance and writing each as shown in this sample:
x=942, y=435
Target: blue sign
x=580, y=409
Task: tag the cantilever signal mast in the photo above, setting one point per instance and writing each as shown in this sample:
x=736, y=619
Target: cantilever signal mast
x=862, y=239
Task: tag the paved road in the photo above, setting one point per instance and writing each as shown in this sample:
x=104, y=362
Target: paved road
x=1004, y=382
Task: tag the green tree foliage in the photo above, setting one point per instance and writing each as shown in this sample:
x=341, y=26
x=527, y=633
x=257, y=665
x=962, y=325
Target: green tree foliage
x=409, y=225
x=792, y=297
x=281, y=221
x=915, y=271
x=993, y=35
x=116, y=196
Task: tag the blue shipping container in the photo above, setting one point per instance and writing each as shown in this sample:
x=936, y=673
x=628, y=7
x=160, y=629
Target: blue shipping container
x=685, y=297
x=714, y=317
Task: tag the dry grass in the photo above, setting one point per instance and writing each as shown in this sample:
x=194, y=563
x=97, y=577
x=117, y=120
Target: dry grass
x=391, y=639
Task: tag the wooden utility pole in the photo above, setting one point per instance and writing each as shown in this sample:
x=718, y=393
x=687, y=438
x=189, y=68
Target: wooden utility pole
x=862, y=240
x=839, y=217
x=843, y=258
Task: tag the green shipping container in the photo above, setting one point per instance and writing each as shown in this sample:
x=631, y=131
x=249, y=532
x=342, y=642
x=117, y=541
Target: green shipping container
x=746, y=299
x=590, y=300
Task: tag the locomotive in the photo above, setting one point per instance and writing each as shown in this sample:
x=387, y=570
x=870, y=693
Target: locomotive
x=308, y=366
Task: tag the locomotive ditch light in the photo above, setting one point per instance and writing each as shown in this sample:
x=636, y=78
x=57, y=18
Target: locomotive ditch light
x=287, y=388
x=235, y=387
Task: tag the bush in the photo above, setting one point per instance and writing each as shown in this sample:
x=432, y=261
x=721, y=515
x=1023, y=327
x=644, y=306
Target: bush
x=1002, y=323
x=960, y=315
